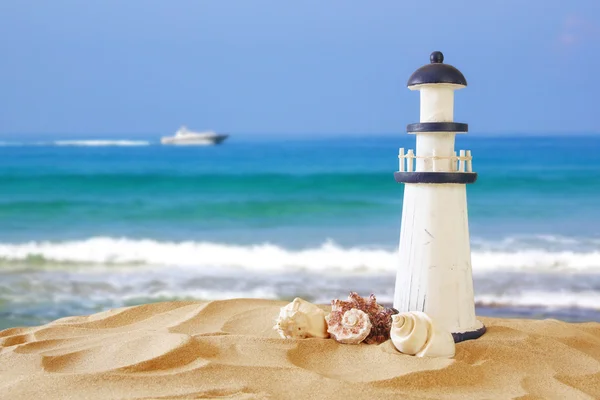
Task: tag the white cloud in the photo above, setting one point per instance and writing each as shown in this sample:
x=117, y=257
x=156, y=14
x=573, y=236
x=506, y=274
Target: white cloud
x=577, y=30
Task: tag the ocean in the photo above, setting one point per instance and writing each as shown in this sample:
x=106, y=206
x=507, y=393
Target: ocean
x=88, y=225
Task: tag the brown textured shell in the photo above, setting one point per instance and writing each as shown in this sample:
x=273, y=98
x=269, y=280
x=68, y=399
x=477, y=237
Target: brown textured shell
x=352, y=328
x=380, y=317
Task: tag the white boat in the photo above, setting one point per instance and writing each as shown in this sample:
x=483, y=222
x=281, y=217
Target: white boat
x=186, y=137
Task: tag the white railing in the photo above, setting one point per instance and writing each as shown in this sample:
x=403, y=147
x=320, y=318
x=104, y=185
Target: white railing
x=461, y=163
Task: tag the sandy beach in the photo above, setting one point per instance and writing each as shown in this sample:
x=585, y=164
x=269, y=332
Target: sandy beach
x=228, y=349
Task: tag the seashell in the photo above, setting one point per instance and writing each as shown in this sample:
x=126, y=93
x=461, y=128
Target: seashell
x=416, y=334
x=300, y=320
x=351, y=327
x=380, y=317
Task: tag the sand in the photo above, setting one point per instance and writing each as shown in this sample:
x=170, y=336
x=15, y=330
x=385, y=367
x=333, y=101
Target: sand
x=228, y=350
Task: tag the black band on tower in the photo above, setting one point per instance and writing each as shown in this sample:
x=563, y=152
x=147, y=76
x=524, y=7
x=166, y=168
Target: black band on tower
x=437, y=127
x=435, y=177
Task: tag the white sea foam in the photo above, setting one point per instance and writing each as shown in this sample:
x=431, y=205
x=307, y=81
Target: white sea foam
x=268, y=257
x=101, y=143
x=541, y=299
x=555, y=299
x=203, y=294
x=20, y=144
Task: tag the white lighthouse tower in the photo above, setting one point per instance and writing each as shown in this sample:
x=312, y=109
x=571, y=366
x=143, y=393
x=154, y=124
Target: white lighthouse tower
x=434, y=271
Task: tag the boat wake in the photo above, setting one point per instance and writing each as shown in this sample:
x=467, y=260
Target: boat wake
x=78, y=143
x=101, y=143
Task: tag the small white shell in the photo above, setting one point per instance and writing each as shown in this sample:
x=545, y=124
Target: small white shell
x=300, y=320
x=353, y=328
x=416, y=334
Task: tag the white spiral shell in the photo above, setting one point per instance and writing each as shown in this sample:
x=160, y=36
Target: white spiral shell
x=353, y=327
x=300, y=320
x=416, y=334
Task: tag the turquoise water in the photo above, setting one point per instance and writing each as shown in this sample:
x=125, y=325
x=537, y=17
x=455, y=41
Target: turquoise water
x=87, y=225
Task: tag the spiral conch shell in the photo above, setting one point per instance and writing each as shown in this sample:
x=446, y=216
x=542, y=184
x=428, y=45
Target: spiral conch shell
x=379, y=316
x=300, y=320
x=416, y=334
x=352, y=328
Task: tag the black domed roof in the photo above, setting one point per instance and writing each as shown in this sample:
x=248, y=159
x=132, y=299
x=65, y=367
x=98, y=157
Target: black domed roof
x=437, y=72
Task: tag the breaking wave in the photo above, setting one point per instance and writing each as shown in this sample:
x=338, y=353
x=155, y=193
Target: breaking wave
x=269, y=257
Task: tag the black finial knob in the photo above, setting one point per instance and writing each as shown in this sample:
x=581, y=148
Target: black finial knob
x=436, y=57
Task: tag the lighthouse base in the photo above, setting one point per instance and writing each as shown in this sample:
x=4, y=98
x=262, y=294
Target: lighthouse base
x=469, y=335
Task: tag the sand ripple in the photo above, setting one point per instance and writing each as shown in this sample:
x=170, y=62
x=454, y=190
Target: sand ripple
x=228, y=350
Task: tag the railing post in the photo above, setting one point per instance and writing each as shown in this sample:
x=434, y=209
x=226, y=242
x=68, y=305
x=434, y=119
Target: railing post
x=469, y=161
x=461, y=162
x=401, y=159
x=410, y=161
x=453, y=162
x=434, y=161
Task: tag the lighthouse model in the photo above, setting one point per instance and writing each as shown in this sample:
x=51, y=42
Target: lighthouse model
x=434, y=271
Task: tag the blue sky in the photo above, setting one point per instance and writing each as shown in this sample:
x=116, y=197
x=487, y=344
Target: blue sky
x=137, y=67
